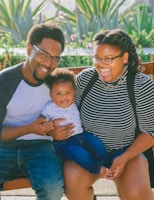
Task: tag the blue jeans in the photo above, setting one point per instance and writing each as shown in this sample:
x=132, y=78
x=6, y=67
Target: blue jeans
x=85, y=149
x=112, y=154
x=36, y=160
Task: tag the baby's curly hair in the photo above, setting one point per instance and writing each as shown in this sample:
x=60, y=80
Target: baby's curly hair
x=61, y=75
x=121, y=40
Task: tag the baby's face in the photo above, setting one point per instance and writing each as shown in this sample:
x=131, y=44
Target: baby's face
x=63, y=94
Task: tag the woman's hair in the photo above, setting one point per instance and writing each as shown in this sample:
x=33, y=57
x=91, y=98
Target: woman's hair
x=45, y=30
x=121, y=40
x=61, y=75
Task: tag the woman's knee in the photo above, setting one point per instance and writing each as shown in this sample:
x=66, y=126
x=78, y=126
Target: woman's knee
x=78, y=182
x=136, y=193
x=73, y=176
x=134, y=182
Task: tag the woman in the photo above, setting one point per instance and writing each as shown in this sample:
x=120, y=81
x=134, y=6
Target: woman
x=107, y=112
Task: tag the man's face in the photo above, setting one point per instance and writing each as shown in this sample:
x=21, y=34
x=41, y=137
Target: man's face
x=43, y=59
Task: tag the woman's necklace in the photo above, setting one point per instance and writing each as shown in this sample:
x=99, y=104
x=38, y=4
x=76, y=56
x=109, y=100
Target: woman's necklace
x=114, y=85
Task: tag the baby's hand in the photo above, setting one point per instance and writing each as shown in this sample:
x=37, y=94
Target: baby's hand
x=42, y=126
x=109, y=174
x=47, y=126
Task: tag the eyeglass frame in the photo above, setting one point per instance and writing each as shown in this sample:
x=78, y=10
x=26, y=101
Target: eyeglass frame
x=108, y=59
x=55, y=59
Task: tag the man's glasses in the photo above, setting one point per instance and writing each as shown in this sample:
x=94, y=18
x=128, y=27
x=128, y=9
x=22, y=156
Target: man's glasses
x=107, y=61
x=46, y=56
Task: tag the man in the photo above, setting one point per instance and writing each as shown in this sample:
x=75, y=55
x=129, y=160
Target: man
x=26, y=147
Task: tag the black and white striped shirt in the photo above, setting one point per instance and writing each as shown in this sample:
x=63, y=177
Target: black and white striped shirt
x=109, y=114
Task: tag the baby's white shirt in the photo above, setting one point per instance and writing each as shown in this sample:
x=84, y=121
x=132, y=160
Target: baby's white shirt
x=71, y=114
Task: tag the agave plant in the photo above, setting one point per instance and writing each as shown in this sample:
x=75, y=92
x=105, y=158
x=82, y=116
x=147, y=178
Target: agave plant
x=139, y=23
x=85, y=27
x=17, y=17
x=98, y=7
x=90, y=16
x=90, y=7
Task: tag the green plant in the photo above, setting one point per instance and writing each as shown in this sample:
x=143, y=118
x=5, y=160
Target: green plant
x=6, y=42
x=8, y=59
x=75, y=61
x=90, y=7
x=17, y=17
x=90, y=16
x=139, y=24
x=85, y=28
x=144, y=57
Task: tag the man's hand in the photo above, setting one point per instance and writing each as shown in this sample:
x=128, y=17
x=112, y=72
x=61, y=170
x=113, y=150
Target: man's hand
x=42, y=126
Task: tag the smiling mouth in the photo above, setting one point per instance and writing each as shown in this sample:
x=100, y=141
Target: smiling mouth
x=105, y=72
x=64, y=102
x=44, y=69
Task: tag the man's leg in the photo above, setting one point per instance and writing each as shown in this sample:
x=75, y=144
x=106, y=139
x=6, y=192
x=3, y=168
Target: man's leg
x=8, y=162
x=44, y=169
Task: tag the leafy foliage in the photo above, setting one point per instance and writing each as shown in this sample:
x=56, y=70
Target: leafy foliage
x=17, y=17
x=8, y=59
x=90, y=16
x=75, y=61
x=139, y=23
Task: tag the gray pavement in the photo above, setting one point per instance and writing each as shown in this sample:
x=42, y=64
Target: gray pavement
x=63, y=198
x=104, y=189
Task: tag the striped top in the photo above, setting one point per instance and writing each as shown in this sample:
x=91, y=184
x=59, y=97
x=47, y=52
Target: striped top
x=108, y=113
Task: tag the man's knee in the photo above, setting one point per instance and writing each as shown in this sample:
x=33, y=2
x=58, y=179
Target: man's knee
x=50, y=191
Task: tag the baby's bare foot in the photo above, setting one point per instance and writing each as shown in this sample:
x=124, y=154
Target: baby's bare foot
x=102, y=171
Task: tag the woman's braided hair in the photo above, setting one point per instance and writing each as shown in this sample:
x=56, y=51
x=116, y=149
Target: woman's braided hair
x=121, y=40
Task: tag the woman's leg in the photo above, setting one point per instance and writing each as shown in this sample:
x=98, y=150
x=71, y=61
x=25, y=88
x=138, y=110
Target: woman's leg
x=134, y=183
x=78, y=182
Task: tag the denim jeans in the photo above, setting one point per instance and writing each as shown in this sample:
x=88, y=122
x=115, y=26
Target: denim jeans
x=112, y=154
x=85, y=149
x=36, y=160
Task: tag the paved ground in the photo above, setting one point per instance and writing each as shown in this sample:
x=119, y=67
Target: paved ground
x=105, y=190
x=33, y=198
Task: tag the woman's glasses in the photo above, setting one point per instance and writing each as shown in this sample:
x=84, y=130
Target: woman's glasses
x=46, y=56
x=107, y=61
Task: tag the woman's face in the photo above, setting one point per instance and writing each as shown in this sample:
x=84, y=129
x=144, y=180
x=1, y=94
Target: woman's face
x=109, y=62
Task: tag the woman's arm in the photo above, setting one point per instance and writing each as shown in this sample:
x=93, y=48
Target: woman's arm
x=143, y=142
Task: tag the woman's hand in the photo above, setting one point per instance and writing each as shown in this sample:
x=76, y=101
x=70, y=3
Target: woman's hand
x=61, y=132
x=117, y=167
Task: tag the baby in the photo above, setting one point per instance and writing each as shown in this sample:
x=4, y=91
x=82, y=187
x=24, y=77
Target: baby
x=82, y=147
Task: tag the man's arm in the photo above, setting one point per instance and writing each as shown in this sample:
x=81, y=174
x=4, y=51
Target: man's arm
x=40, y=126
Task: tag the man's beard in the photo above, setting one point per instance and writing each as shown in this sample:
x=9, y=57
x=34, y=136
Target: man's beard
x=39, y=80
